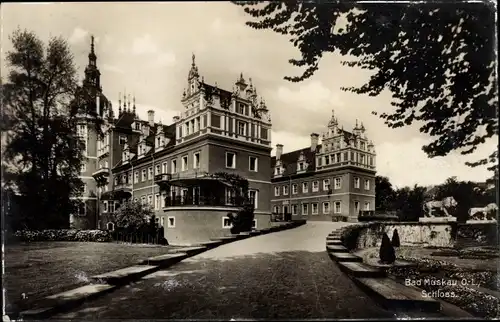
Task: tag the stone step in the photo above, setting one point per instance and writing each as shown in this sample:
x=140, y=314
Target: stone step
x=336, y=249
x=345, y=257
x=164, y=260
x=358, y=269
x=225, y=239
x=211, y=243
x=394, y=295
x=255, y=232
x=333, y=242
x=191, y=251
x=66, y=300
x=124, y=275
x=336, y=236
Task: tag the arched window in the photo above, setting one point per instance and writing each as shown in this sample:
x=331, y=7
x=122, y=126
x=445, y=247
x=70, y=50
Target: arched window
x=110, y=226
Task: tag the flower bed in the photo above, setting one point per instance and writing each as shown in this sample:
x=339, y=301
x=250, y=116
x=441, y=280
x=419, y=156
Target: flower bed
x=63, y=235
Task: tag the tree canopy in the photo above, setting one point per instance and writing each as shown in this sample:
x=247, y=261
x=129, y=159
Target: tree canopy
x=437, y=59
x=43, y=153
x=133, y=215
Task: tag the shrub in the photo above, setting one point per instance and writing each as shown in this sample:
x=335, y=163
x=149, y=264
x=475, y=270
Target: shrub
x=243, y=220
x=378, y=218
x=63, y=235
x=386, y=253
x=395, y=239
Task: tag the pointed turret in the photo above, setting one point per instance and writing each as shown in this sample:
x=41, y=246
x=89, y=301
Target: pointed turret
x=333, y=121
x=241, y=83
x=119, y=104
x=193, y=72
x=92, y=74
x=133, y=111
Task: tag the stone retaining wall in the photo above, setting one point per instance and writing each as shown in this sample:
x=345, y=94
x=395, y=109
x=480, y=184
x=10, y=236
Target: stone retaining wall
x=365, y=235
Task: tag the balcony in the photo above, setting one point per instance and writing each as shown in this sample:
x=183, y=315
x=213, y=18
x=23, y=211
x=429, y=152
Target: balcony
x=101, y=172
x=123, y=186
x=164, y=177
x=213, y=201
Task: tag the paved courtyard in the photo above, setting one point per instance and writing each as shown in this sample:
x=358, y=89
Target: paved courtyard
x=280, y=275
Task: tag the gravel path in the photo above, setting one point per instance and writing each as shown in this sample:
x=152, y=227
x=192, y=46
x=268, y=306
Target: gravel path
x=282, y=275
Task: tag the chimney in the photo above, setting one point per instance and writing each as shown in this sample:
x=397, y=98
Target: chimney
x=151, y=118
x=314, y=141
x=279, y=151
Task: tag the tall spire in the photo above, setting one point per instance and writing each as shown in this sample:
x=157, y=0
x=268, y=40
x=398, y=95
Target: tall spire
x=193, y=73
x=133, y=111
x=119, y=104
x=92, y=74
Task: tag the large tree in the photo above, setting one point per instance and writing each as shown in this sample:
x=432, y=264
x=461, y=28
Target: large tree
x=384, y=194
x=42, y=153
x=408, y=202
x=437, y=59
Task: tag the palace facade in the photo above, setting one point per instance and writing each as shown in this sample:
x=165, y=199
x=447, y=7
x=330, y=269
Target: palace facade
x=329, y=181
x=171, y=166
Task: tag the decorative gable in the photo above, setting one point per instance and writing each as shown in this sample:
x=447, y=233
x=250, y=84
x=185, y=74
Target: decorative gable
x=302, y=163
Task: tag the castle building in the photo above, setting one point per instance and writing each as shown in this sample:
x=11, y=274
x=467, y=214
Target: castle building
x=333, y=180
x=171, y=167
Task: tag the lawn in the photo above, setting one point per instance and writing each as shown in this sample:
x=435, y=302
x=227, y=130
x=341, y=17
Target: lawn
x=41, y=269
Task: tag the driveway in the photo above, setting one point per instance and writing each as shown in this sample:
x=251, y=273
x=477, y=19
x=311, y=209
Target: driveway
x=283, y=275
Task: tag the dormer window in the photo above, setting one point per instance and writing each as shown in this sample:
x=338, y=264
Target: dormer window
x=277, y=171
x=124, y=156
x=300, y=166
x=158, y=142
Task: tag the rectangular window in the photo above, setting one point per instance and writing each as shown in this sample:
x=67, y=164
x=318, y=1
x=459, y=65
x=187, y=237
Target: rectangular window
x=240, y=108
x=143, y=175
x=150, y=173
x=315, y=208
x=367, y=206
x=150, y=200
x=252, y=195
x=105, y=206
x=338, y=183
x=171, y=222
x=295, y=189
x=136, y=177
x=130, y=177
x=338, y=208
x=356, y=182
x=294, y=209
x=226, y=223
x=84, y=167
x=254, y=223
x=196, y=160
x=305, y=187
x=367, y=184
x=285, y=190
x=276, y=191
x=301, y=166
x=173, y=168
x=253, y=164
x=327, y=159
x=143, y=200
x=305, y=211
x=157, y=201
x=162, y=222
x=241, y=128
x=356, y=207
x=315, y=187
x=215, y=120
x=157, y=169
x=163, y=201
x=230, y=160
x=164, y=167
x=184, y=164
x=326, y=184
x=122, y=139
x=326, y=207
x=276, y=209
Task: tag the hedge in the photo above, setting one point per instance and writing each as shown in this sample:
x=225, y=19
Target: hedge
x=63, y=235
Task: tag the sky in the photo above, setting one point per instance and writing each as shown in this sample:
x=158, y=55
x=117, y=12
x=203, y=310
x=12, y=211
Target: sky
x=146, y=49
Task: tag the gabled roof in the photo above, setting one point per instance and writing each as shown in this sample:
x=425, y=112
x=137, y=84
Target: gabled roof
x=290, y=160
x=169, y=132
x=225, y=96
